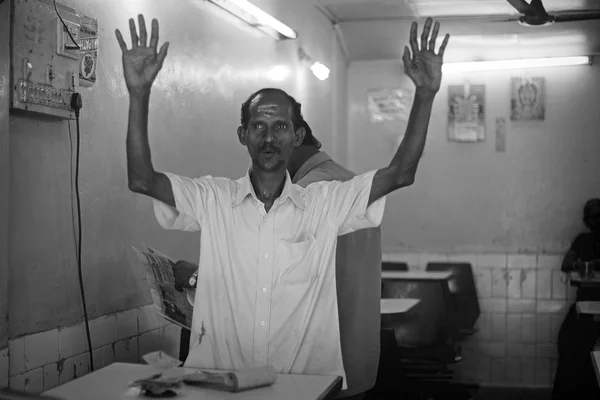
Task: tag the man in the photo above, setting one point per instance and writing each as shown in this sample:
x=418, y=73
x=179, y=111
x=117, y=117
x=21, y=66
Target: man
x=358, y=275
x=575, y=377
x=265, y=290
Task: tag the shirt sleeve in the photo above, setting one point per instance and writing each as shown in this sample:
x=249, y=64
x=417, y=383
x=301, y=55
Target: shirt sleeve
x=347, y=202
x=191, y=197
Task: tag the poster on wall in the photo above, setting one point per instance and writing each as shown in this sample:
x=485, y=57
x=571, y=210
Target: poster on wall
x=501, y=135
x=527, y=99
x=389, y=104
x=466, y=113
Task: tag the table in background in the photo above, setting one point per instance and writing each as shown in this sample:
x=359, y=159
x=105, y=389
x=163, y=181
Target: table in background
x=596, y=361
x=576, y=280
x=590, y=308
x=112, y=383
x=416, y=275
x=397, y=306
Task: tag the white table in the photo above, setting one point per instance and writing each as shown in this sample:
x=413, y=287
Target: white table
x=416, y=275
x=112, y=383
x=590, y=308
x=397, y=306
x=596, y=361
x=576, y=279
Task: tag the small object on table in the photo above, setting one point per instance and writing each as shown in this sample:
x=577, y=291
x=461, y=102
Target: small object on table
x=157, y=386
x=235, y=381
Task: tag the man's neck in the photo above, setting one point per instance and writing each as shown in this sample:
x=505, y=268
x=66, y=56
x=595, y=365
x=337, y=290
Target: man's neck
x=301, y=155
x=267, y=185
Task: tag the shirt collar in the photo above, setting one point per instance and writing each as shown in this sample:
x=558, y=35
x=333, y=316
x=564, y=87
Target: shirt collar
x=310, y=164
x=293, y=191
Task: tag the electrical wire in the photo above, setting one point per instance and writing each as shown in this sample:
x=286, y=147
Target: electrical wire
x=76, y=47
x=76, y=105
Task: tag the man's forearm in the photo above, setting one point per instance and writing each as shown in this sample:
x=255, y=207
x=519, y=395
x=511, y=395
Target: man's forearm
x=139, y=164
x=409, y=153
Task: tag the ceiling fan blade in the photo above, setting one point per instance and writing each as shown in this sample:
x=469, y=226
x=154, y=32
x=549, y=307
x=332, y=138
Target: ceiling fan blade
x=577, y=17
x=521, y=6
x=537, y=7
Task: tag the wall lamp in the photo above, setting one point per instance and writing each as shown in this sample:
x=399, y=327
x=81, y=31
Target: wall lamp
x=318, y=69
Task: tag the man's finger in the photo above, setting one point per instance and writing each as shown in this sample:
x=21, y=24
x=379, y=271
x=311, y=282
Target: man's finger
x=406, y=57
x=436, y=29
x=444, y=44
x=143, y=33
x=154, y=36
x=413, y=38
x=162, y=53
x=425, y=34
x=122, y=44
x=134, y=36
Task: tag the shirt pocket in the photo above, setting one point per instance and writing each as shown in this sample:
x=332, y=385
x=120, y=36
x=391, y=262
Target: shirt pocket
x=293, y=259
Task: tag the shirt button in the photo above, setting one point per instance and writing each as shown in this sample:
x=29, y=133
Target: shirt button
x=262, y=323
x=266, y=255
x=264, y=290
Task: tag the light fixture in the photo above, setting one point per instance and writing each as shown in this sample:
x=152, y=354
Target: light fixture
x=257, y=18
x=516, y=64
x=318, y=69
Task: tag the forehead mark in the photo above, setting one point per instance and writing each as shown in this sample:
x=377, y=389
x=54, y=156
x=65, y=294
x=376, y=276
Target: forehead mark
x=268, y=110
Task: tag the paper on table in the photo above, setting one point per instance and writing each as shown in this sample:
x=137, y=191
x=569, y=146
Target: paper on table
x=161, y=360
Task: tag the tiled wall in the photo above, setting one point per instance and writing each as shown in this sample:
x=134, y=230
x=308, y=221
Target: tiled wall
x=44, y=360
x=523, y=300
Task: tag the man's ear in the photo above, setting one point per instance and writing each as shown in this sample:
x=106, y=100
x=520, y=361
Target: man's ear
x=299, y=136
x=241, y=132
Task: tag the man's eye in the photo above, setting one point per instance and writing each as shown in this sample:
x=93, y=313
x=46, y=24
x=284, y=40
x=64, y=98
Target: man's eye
x=256, y=126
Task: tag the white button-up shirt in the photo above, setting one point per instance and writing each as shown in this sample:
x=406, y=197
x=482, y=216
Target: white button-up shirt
x=266, y=289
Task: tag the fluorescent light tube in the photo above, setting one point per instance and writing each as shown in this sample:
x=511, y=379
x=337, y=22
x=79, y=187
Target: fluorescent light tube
x=516, y=64
x=320, y=70
x=257, y=18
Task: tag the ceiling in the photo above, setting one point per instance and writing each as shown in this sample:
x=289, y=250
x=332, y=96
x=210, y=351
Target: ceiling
x=378, y=29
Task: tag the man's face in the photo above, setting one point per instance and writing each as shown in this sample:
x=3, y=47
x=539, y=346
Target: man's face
x=270, y=137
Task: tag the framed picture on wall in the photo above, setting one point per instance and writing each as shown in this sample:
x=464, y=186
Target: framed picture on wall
x=466, y=113
x=388, y=104
x=527, y=99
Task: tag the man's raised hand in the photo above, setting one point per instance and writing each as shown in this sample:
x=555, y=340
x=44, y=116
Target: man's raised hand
x=142, y=62
x=424, y=66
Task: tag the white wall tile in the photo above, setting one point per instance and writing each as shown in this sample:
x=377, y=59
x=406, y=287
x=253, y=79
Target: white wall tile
x=17, y=382
x=82, y=364
x=51, y=376
x=464, y=258
x=521, y=261
x=66, y=370
x=4, y=365
x=127, y=350
x=108, y=354
x=34, y=380
x=98, y=358
x=16, y=351
x=127, y=324
x=102, y=330
x=149, y=320
x=491, y=260
x=41, y=349
x=72, y=340
x=548, y=261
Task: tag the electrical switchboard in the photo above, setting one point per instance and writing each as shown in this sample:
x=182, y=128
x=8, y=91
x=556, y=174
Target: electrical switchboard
x=48, y=63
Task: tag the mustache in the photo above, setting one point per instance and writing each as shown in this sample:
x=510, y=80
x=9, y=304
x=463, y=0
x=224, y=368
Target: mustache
x=270, y=148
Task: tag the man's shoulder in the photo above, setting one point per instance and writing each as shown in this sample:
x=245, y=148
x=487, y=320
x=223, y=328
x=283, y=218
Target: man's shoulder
x=326, y=172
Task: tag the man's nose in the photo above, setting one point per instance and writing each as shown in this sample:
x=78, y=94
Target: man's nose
x=269, y=135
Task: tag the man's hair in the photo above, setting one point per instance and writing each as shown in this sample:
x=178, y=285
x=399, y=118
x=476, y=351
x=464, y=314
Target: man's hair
x=297, y=118
x=590, y=205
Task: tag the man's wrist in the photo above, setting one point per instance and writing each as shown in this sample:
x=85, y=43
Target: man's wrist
x=424, y=94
